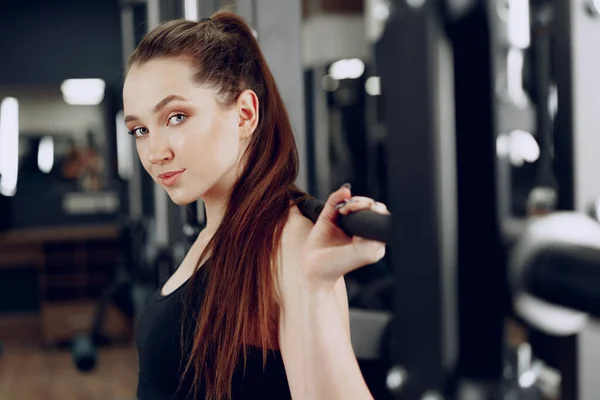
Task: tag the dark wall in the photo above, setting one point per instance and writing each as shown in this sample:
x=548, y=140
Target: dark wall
x=46, y=42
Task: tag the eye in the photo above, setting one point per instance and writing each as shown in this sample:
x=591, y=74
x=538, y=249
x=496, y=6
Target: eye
x=138, y=132
x=177, y=119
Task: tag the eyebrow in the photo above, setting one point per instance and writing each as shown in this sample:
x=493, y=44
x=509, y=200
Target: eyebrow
x=159, y=106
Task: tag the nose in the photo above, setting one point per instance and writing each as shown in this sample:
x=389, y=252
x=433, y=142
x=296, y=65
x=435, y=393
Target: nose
x=160, y=152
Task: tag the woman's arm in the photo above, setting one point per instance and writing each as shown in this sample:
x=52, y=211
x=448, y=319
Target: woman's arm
x=315, y=344
x=314, y=329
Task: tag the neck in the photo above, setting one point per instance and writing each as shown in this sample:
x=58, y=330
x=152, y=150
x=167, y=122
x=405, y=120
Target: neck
x=215, y=205
x=214, y=215
x=217, y=198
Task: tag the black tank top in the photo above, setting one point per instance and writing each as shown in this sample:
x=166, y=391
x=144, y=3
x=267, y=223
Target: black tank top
x=160, y=357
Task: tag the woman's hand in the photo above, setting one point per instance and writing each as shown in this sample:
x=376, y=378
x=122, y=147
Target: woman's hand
x=329, y=253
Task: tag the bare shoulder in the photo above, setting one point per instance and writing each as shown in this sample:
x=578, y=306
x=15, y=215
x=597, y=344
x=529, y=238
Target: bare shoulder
x=296, y=230
x=294, y=236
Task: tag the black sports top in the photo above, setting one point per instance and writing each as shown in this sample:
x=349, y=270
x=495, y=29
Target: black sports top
x=159, y=353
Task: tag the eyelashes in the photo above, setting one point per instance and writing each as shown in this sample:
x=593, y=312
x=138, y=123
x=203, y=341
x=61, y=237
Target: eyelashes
x=134, y=132
x=173, y=120
x=175, y=116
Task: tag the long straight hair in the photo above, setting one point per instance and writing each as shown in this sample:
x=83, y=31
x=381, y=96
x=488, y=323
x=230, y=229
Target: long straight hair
x=240, y=306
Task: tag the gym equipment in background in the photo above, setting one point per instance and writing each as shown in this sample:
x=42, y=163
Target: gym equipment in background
x=130, y=287
x=457, y=116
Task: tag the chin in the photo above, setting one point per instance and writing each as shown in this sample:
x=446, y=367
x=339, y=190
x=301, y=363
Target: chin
x=180, y=202
x=181, y=199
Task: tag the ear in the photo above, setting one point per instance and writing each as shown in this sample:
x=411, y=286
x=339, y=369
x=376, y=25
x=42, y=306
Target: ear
x=247, y=106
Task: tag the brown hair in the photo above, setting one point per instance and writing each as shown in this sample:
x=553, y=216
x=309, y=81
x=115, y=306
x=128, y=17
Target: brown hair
x=240, y=305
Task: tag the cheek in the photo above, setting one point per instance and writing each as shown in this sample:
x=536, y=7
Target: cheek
x=227, y=145
x=214, y=150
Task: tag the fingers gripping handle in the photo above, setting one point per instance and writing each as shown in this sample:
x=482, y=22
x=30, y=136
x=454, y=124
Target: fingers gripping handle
x=364, y=223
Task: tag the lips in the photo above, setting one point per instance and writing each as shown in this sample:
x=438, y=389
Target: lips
x=171, y=177
x=170, y=174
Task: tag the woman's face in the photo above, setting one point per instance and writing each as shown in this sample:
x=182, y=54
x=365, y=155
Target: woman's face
x=186, y=141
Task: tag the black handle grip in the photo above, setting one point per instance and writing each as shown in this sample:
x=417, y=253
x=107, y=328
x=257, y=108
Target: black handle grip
x=364, y=223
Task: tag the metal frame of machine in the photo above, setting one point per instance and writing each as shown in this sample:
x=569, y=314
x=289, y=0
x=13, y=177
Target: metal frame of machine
x=576, y=64
x=417, y=74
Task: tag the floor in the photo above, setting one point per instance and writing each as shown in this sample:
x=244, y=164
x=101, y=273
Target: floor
x=30, y=373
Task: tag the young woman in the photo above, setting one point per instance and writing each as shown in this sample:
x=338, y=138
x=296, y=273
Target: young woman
x=258, y=307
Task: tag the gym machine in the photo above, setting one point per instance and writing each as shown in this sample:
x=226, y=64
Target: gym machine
x=464, y=258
